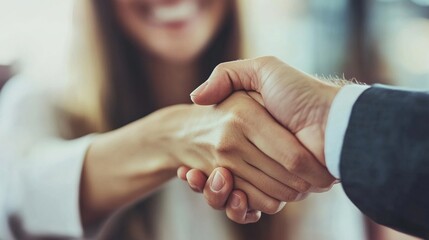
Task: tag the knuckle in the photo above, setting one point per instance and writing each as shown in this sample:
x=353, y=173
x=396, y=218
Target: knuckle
x=286, y=194
x=226, y=141
x=240, y=121
x=294, y=162
x=302, y=186
x=223, y=147
x=226, y=160
x=236, y=120
x=290, y=195
x=221, y=67
x=233, y=122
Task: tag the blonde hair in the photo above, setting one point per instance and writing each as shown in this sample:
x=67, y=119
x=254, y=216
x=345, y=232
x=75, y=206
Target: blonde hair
x=86, y=69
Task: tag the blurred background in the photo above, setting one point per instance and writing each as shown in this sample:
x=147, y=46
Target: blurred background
x=373, y=41
x=370, y=40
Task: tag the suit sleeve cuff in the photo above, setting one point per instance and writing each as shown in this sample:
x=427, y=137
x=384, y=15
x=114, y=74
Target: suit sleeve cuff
x=336, y=127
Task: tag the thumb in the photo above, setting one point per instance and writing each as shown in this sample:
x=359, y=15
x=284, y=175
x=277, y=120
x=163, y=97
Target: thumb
x=226, y=78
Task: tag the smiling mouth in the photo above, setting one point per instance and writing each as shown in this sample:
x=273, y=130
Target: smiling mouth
x=182, y=11
x=175, y=13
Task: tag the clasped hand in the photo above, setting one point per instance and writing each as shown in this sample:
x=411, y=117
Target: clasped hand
x=281, y=158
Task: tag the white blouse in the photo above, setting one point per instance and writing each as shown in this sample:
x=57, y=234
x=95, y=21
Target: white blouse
x=43, y=169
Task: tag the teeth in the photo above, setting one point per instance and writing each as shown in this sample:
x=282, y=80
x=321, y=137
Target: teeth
x=177, y=12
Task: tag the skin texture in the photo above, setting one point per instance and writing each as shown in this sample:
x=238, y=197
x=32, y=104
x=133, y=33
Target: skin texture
x=123, y=165
x=298, y=101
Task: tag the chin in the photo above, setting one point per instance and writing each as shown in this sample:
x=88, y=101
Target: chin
x=182, y=56
x=181, y=59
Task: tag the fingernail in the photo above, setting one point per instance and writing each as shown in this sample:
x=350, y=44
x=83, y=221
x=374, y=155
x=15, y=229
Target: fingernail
x=218, y=182
x=195, y=188
x=199, y=89
x=235, y=201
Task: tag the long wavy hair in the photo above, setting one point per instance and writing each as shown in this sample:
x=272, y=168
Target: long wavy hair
x=109, y=86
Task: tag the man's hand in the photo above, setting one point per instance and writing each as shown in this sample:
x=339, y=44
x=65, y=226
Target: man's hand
x=296, y=100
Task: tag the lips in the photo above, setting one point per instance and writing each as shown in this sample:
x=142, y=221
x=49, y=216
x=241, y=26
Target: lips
x=172, y=13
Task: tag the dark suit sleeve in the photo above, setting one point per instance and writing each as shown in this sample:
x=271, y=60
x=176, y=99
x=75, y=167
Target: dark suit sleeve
x=385, y=158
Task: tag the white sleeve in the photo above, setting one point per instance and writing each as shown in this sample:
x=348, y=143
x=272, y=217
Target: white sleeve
x=44, y=170
x=338, y=120
x=4, y=185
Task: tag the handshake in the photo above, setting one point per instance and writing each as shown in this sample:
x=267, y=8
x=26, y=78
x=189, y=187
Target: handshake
x=282, y=114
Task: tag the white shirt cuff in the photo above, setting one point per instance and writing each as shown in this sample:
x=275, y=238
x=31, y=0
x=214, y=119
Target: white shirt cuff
x=338, y=120
x=48, y=195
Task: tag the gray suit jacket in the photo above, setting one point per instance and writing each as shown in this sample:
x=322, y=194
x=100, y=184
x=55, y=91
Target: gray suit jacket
x=385, y=158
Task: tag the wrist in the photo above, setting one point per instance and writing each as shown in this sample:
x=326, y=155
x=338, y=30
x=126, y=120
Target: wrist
x=313, y=110
x=128, y=163
x=312, y=116
x=163, y=130
x=328, y=93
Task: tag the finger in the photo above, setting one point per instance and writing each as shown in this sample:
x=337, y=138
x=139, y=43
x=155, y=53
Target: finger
x=225, y=78
x=257, y=199
x=262, y=180
x=196, y=180
x=253, y=216
x=181, y=172
x=281, y=145
x=267, y=184
x=218, y=188
x=237, y=209
x=276, y=171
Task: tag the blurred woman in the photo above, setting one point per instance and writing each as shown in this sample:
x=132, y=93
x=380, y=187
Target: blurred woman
x=134, y=64
x=131, y=58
